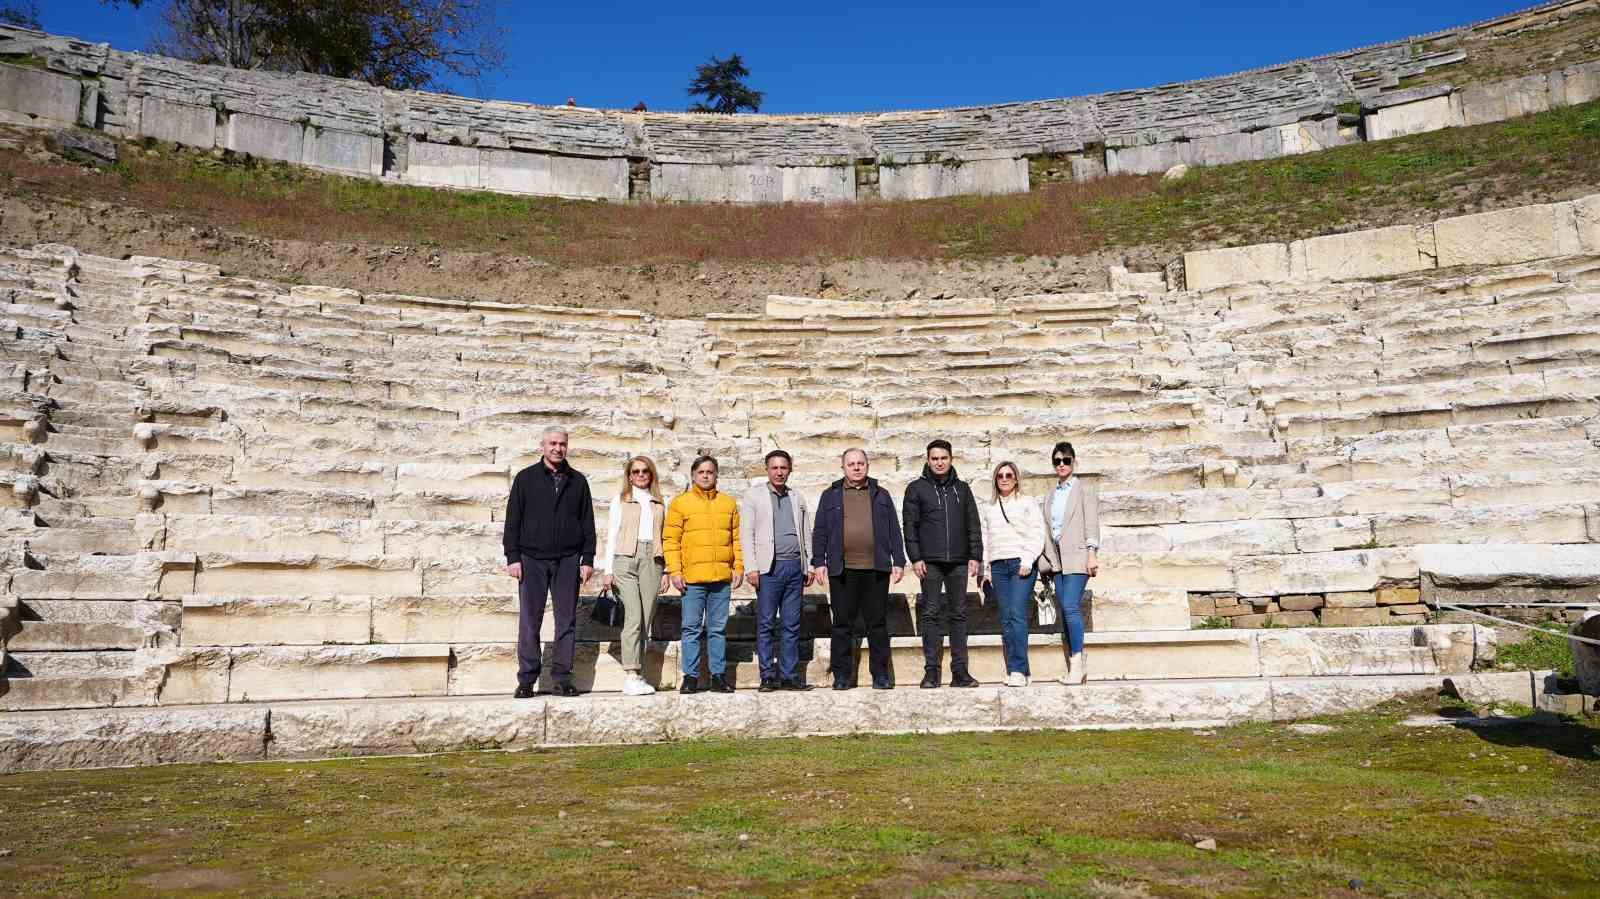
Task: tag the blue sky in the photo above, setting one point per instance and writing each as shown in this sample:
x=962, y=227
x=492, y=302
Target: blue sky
x=885, y=55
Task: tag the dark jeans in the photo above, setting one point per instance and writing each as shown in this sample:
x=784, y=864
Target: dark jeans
x=778, y=607
x=864, y=592
x=541, y=578
x=1015, y=596
x=943, y=608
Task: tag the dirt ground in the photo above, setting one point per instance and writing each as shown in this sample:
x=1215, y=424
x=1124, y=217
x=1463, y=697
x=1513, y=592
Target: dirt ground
x=671, y=289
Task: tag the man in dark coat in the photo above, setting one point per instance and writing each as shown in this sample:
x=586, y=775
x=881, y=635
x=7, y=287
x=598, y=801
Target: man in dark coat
x=549, y=545
x=856, y=550
x=944, y=539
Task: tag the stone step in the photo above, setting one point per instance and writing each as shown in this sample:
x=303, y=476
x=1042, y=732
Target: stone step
x=62, y=680
x=34, y=741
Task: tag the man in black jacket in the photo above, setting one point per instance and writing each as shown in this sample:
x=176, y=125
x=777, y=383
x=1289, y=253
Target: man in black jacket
x=855, y=550
x=549, y=544
x=944, y=540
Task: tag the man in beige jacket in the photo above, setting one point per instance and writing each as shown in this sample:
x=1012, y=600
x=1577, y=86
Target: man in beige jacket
x=775, y=541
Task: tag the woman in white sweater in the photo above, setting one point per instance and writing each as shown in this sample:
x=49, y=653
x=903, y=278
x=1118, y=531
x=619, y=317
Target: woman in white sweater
x=632, y=564
x=1013, y=538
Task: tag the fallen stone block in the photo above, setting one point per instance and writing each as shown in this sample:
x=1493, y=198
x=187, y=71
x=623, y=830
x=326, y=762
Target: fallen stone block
x=42, y=741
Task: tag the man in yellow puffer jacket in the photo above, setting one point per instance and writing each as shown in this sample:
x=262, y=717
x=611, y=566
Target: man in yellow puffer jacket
x=700, y=542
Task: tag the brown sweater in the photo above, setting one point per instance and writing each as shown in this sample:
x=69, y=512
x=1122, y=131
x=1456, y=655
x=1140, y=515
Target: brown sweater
x=858, y=535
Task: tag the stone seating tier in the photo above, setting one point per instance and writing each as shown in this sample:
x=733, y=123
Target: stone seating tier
x=206, y=473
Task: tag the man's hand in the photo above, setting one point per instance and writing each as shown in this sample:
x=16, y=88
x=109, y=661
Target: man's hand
x=897, y=573
x=972, y=568
x=584, y=573
x=610, y=582
x=920, y=567
x=811, y=578
x=819, y=576
x=1094, y=563
x=678, y=583
x=753, y=578
x=514, y=570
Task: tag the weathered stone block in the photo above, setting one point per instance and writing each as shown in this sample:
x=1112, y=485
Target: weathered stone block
x=1210, y=269
x=1398, y=596
x=486, y=618
x=269, y=620
x=1496, y=101
x=196, y=676
x=1374, y=253
x=1430, y=114
x=180, y=123
x=442, y=165
x=1142, y=609
x=42, y=741
x=1311, y=696
x=1354, y=617
x=265, y=138
x=1334, y=572
x=321, y=730
x=343, y=151
x=35, y=94
x=1301, y=602
x=1112, y=704
x=519, y=172
x=1462, y=565
x=923, y=181
x=1507, y=235
x=1586, y=656
x=1160, y=655
x=265, y=674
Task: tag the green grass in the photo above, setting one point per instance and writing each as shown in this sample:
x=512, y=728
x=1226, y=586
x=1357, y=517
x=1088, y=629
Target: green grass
x=1037, y=814
x=1540, y=650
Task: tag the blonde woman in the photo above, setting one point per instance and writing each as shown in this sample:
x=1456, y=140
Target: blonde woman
x=633, y=563
x=1013, y=538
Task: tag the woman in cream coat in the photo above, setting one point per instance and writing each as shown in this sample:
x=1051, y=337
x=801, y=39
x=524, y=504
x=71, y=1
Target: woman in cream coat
x=1013, y=538
x=1071, y=515
x=632, y=564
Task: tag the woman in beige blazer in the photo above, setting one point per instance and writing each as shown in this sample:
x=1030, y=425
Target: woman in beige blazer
x=1072, y=517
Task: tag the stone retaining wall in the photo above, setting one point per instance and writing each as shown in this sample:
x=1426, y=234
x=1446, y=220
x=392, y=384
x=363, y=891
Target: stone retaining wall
x=421, y=138
x=1542, y=231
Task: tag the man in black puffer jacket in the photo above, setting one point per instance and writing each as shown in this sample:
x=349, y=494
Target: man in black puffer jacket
x=944, y=540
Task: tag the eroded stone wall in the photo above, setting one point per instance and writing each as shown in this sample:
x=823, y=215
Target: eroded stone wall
x=440, y=140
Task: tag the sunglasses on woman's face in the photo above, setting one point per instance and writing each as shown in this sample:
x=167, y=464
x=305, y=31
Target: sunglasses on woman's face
x=1061, y=461
x=639, y=471
x=1005, y=476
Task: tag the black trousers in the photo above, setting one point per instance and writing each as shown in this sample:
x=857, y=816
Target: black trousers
x=541, y=578
x=943, y=609
x=863, y=592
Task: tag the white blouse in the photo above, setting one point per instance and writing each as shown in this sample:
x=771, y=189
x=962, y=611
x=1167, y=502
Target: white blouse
x=1014, y=530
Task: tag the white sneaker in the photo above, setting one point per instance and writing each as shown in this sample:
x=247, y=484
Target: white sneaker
x=1016, y=679
x=634, y=685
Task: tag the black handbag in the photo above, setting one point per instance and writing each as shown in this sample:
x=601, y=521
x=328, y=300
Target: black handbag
x=607, y=610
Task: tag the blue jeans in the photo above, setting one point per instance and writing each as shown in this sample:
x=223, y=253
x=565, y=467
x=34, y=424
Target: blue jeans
x=705, y=614
x=778, y=607
x=1069, y=595
x=1015, y=595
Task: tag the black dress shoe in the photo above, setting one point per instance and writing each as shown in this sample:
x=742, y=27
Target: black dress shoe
x=719, y=684
x=768, y=685
x=565, y=688
x=930, y=681
x=524, y=691
x=689, y=685
x=963, y=680
x=795, y=686
x=840, y=683
x=882, y=683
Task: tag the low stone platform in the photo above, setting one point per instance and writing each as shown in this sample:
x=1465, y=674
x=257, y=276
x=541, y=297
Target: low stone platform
x=89, y=738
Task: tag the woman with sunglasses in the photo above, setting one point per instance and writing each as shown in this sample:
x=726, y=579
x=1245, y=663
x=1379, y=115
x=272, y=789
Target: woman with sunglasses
x=1072, y=514
x=1013, y=538
x=632, y=564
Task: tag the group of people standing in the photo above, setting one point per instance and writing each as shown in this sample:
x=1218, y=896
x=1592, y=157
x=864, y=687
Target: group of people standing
x=705, y=542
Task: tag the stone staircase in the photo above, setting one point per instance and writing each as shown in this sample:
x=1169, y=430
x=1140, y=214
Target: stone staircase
x=226, y=490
